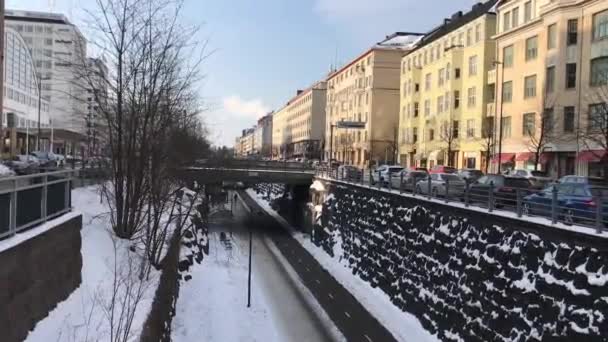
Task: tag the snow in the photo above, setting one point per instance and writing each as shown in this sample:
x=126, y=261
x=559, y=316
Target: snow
x=80, y=317
x=403, y=325
x=31, y=233
x=5, y=171
x=317, y=186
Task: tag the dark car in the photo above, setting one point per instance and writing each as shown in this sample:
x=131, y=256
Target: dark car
x=46, y=159
x=504, y=189
x=470, y=175
x=583, y=180
x=23, y=164
x=350, y=173
x=576, y=202
x=410, y=178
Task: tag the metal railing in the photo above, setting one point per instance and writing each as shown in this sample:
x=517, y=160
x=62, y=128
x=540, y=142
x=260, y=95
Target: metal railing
x=246, y=164
x=30, y=200
x=548, y=203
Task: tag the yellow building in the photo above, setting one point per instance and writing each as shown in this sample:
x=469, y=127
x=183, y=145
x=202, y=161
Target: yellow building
x=445, y=96
x=554, y=57
x=299, y=127
x=366, y=90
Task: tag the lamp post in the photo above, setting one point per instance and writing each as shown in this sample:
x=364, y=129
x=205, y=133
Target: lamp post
x=40, y=79
x=502, y=74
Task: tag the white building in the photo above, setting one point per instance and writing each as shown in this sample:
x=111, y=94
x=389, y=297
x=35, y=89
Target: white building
x=56, y=45
x=21, y=99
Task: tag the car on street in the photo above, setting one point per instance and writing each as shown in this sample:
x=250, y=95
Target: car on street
x=47, y=159
x=23, y=164
x=409, y=177
x=539, y=179
x=583, y=180
x=504, y=189
x=443, y=169
x=470, y=175
x=350, y=173
x=441, y=183
x=383, y=173
x=576, y=202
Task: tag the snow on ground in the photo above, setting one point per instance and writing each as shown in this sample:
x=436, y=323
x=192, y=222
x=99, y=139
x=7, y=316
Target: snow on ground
x=5, y=171
x=80, y=317
x=403, y=325
x=212, y=305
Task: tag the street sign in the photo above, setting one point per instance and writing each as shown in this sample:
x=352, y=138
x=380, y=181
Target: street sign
x=351, y=124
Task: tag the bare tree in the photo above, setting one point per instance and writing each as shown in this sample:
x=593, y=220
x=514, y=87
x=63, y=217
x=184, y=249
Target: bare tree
x=448, y=133
x=539, y=137
x=593, y=132
x=487, y=141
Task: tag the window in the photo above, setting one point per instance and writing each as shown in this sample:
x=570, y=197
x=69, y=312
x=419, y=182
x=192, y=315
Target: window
x=530, y=86
x=427, y=82
x=599, y=71
x=487, y=129
x=506, y=127
x=415, y=135
x=457, y=73
x=572, y=37
x=551, y=36
x=472, y=65
x=507, y=56
x=570, y=75
x=441, y=77
x=600, y=25
x=471, y=97
x=598, y=116
x=491, y=91
x=506, y=21
x=528, y=124
x=440, y=104
x=507, y=91
x=527, y=11
x=461, y=38
x=456, y=98
x=416, y=108
x=469, y=37
x=550, y=80
x=431, y=134
x=547, y=121
x=477, y=33
x=447, y=72
x=531, y=48
x=427, y=107
x=471, y=128
x=568, y=119
x=48, y=42
x=515, y=17
x=417, y=87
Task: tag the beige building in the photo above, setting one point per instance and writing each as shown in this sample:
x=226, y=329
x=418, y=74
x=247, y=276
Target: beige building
x=366, y=90
x=554, y=56
x=244, y=145
x=445, y=96
x=299, y=127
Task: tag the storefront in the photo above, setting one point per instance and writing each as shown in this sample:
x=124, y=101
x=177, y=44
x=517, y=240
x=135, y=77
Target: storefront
x=593, y=163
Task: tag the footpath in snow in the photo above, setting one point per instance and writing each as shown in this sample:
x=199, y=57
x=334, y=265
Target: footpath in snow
x=212, y=305
x=404, y=326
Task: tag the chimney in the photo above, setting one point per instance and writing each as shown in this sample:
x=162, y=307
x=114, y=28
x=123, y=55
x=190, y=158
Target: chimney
x=446, y=21
x=457, y=15
x=299, y=91
x=476, y=6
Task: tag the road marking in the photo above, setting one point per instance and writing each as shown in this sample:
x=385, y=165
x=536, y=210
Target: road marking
x=330, y=296
x=347, y=314
x=367, y=337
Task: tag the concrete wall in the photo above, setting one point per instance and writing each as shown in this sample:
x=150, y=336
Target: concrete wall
x=467, y=274
x=37, y=274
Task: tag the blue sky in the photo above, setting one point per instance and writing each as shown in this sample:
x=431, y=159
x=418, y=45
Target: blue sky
x=264, y=50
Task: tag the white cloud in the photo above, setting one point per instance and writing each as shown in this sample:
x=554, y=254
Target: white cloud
x=249, y=108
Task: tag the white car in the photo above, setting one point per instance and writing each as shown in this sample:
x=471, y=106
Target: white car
x=538, y=178
x=383, y=173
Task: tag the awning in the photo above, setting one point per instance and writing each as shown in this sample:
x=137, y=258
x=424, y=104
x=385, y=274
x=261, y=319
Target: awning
x=529, y=156
x=592, y=156
x=433, y=155
x=503, y=157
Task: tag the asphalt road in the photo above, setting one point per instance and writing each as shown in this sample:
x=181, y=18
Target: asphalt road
x=351, y=318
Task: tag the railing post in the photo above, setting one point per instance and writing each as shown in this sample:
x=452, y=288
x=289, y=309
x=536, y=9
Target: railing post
x=554, y=205
x=519, y=202
x=447, y=190
x=599, y=208
x=343, y=172
x=466, y=193
x=13, y=210
x=44, y=204
x=379, y=182
x=400, y=182
x=491, y=197
x=389, y=182
x=67, y=192
x=430, y=185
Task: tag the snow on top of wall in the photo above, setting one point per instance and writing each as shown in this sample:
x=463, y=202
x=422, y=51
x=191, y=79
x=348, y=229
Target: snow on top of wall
x=317, y=186
x=5, y=171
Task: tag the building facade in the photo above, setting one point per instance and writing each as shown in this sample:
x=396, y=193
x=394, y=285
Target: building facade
x=263, y=136
x=57, y=48
x=366, y=91
x=445, y=97
x=552, y=85
x=23, y=108
x=298, y=128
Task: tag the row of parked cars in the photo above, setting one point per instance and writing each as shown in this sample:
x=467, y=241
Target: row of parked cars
x=534, y=190
x=30, y=163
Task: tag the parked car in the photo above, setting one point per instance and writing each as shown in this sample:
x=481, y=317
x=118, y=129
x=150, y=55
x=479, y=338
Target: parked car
x=439, y=184
x=384, y=172
x=583, y=180
x=410, y=178
x=46, y=159
x=576, y=202
x=505, y=189
x=350, y=173
x=443, y=169
x=470, y=175
x=23, y=164
x=539, y=179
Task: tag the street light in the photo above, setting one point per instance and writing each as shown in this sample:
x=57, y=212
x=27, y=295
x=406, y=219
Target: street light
x=502, y=75
x=40, y=79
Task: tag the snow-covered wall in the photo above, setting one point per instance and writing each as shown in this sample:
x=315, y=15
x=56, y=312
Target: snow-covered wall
x=468, y=275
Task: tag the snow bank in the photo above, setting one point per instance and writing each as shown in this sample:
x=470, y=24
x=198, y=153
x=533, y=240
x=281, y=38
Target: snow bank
x=5, y=171
x=317, y=186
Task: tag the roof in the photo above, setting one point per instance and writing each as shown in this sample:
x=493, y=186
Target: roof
x=457, y=20
x=34, y=16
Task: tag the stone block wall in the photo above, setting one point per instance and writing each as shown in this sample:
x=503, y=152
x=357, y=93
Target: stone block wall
x=469, y=275
x=37, y=274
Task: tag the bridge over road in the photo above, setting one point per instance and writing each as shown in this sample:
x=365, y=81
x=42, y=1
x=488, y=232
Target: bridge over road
x=249, y=172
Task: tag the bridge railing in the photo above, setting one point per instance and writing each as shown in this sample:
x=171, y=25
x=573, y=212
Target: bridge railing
x=28, y=201
x=256, y=165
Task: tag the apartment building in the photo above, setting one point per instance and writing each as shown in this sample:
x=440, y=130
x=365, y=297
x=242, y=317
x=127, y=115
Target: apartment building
x=56, y=46
x=445, y=99
x=552, y=85
x=298, y=128
x=262, y=142
x=366, y=91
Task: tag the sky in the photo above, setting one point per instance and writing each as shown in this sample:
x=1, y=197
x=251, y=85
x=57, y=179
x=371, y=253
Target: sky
x=263, y=51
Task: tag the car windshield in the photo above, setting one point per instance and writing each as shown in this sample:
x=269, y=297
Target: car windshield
x=538, y=174
x=449, y=169
x=418, y=174
x=451, y=178
x=517, y=182
x=394, y=169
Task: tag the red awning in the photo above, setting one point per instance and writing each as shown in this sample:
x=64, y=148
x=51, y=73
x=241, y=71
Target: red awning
x=525, y=156
x=503, y=157
x=593, y=156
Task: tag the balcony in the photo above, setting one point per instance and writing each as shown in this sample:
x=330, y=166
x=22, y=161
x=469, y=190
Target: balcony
x=492, y=76
x=490, y=109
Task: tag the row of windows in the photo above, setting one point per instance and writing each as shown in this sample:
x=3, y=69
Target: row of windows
x=32, y=28
x=353, y=70
x=510, y=19
x=350, y=137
